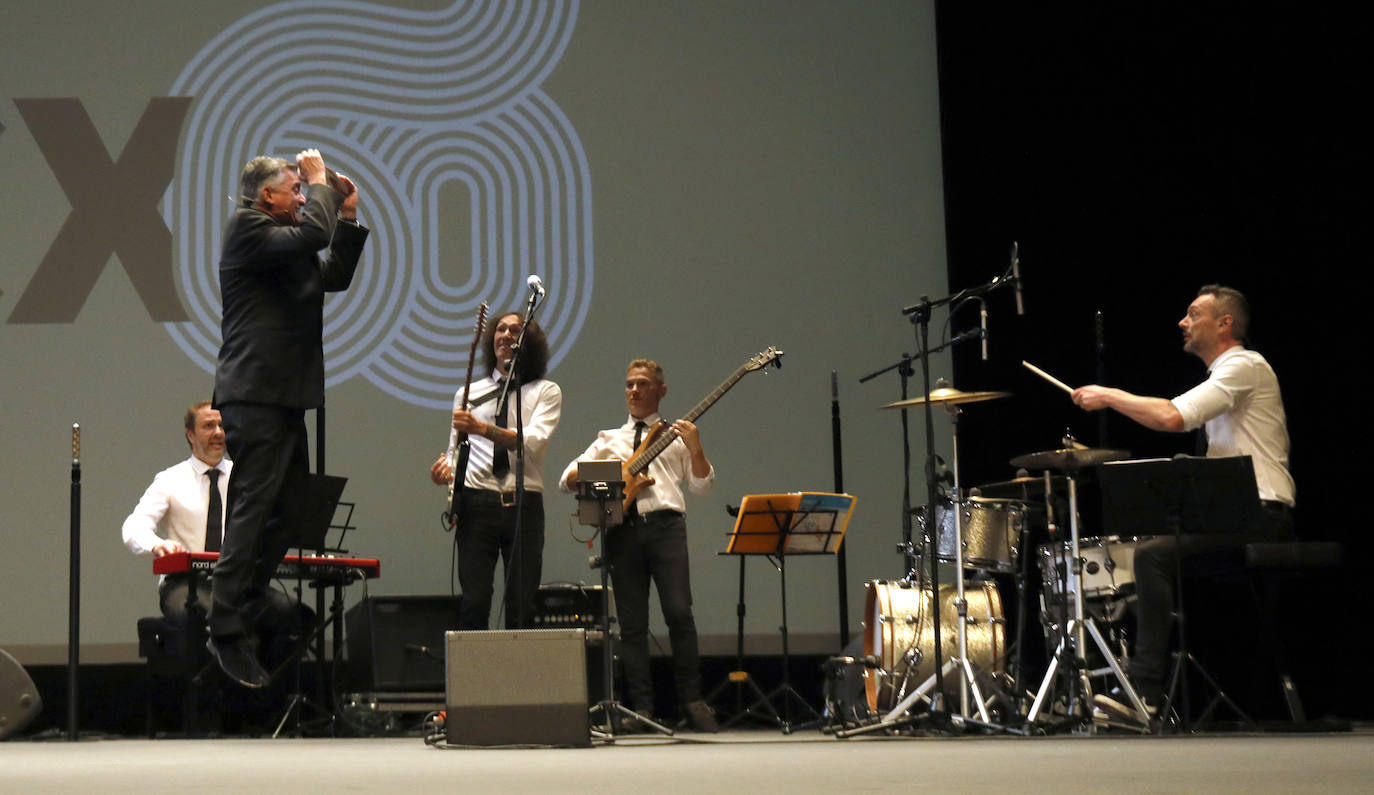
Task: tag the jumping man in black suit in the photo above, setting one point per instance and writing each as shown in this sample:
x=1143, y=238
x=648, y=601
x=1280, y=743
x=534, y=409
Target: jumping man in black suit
x=271, y=370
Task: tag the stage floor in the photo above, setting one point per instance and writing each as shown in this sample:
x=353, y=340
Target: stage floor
x=734, y=761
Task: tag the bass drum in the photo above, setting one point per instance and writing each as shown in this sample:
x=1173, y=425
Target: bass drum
x=899, y=632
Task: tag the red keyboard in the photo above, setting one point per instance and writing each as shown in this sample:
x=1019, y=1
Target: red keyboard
x=292, y=566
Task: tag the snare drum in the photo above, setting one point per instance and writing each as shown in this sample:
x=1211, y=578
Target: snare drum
x=992, y=531
x=1108, y=566
x=899, y=631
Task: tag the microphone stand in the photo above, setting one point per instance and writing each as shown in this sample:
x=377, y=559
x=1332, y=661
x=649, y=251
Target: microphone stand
x=515, y=583
x=1101, y=346
x=919, y=314
x=74, y=596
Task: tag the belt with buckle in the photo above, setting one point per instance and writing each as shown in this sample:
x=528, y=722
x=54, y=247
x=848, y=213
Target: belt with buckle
x=651, y=516
x=506, y=498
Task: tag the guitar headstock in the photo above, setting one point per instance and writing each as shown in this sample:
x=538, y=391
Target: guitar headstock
x=481, y=319
x=764, y=358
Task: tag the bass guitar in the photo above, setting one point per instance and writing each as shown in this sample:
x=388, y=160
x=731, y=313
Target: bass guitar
x=662, y=434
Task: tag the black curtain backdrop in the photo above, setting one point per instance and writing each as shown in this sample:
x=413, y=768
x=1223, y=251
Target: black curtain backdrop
x=1137, y=153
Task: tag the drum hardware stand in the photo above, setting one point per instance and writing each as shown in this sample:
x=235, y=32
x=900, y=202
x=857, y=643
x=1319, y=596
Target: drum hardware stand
x=1022, y=576
x=919, y=314
x=600, y=492
x=969, y=680
x=1074, y=639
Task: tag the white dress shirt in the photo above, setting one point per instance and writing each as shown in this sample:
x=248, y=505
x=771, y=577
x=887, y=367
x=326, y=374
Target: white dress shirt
x=174, y=507
x=541, y=406
x=1242, y=409
x=669, y=470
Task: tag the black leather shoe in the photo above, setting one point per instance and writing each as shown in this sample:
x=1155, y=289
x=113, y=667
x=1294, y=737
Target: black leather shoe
x=701, y=717
x=239, y=661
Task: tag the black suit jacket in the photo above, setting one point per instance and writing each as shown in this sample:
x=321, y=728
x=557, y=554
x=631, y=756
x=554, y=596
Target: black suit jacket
x=272, y=284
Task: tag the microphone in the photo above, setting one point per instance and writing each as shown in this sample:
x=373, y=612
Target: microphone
x=536, y=286
x=1016, y=275
x=983, y=322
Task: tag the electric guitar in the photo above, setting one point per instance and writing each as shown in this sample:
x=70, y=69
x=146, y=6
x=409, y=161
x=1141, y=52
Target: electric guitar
x=458, y=459
x=662, y=434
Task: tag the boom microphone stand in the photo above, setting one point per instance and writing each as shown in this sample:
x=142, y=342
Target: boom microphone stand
x=919, y=315
x=516, y=563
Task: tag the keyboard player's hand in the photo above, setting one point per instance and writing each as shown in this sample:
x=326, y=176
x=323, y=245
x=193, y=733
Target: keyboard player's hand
x=167, y=547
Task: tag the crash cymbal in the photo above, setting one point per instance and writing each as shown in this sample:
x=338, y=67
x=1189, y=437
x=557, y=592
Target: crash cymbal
x=1017, y=486
x=1069, y=460
x=944, y=393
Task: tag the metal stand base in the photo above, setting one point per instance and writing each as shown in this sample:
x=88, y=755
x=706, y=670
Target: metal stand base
x=760, y=709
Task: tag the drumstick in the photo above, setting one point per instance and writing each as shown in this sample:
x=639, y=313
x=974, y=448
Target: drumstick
x=1047, y=377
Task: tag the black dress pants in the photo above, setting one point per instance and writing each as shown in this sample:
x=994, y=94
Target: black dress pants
x=654, y=547
x=267, y=488
x=486, y=533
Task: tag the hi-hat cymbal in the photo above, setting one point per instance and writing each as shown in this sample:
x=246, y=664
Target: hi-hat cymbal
x=1069, y=459
x=948, y=395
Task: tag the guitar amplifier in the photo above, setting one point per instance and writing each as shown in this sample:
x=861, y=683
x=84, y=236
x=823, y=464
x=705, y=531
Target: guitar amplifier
x=517, y=687
x=570, y=606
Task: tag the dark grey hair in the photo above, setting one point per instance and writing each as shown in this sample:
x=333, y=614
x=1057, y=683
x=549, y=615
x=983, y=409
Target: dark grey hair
x=261, y=171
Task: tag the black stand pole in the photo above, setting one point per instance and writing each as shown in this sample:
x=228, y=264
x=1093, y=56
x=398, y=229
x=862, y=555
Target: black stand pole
x=1178, y=676
x=74, y=595
x=840, y=562
x=1099, y=333
x=515, y=569
x=740, y=678
x=603, y=493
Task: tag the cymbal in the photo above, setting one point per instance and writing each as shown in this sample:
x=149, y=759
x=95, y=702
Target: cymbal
x=1027, y=484
x=948, y=395
x=1068, y=460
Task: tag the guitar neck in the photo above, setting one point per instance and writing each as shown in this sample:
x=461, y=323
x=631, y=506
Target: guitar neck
x=641, y=462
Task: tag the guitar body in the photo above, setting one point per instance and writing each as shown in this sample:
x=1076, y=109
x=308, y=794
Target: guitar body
x=637, y=481
x=459, y=464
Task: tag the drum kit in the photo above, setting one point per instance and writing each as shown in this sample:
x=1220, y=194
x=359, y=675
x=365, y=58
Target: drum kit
x=985, y=533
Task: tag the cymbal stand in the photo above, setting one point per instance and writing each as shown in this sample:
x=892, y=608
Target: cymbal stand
x=1074, y=639
x=968, y=678
x=1022, y=578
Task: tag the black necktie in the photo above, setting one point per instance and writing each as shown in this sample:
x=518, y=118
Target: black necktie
x=214, y=516
x=500, y=460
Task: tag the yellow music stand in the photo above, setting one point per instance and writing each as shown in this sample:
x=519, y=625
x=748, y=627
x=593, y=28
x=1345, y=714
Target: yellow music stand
x=776, y=526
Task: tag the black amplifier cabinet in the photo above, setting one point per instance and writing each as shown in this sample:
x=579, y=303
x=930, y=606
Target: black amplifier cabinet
x=396, y=643
x=569, y=606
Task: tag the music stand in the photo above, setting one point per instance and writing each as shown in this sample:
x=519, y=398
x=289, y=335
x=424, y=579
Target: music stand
x=1184, y=495
x=600, y=495
x=322, y=499
x=776, y=526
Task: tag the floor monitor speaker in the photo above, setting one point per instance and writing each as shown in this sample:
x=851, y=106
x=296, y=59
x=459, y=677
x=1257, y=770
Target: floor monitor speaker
x=517, y=687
